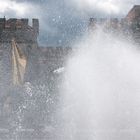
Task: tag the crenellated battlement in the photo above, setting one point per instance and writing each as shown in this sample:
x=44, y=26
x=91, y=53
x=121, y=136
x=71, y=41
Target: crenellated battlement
x=18, y=24
x=132, y=20
x=129, y=25
x=19, y=29
x=112, y=23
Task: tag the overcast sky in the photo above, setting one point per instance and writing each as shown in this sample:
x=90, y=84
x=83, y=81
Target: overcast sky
x=62, y=21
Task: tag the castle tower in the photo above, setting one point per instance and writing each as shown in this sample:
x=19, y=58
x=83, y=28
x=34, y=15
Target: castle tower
x=2, y=23
x=35, y=25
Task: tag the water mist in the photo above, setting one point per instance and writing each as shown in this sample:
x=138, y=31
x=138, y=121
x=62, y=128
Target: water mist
x=100, y=95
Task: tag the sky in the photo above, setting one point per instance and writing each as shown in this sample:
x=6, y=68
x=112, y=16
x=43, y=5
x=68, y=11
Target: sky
x=64, y=21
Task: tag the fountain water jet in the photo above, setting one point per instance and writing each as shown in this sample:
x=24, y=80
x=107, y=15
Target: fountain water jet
x=100, y=91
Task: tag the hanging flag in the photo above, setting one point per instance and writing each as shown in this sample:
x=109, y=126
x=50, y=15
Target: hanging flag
x=18, y=64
